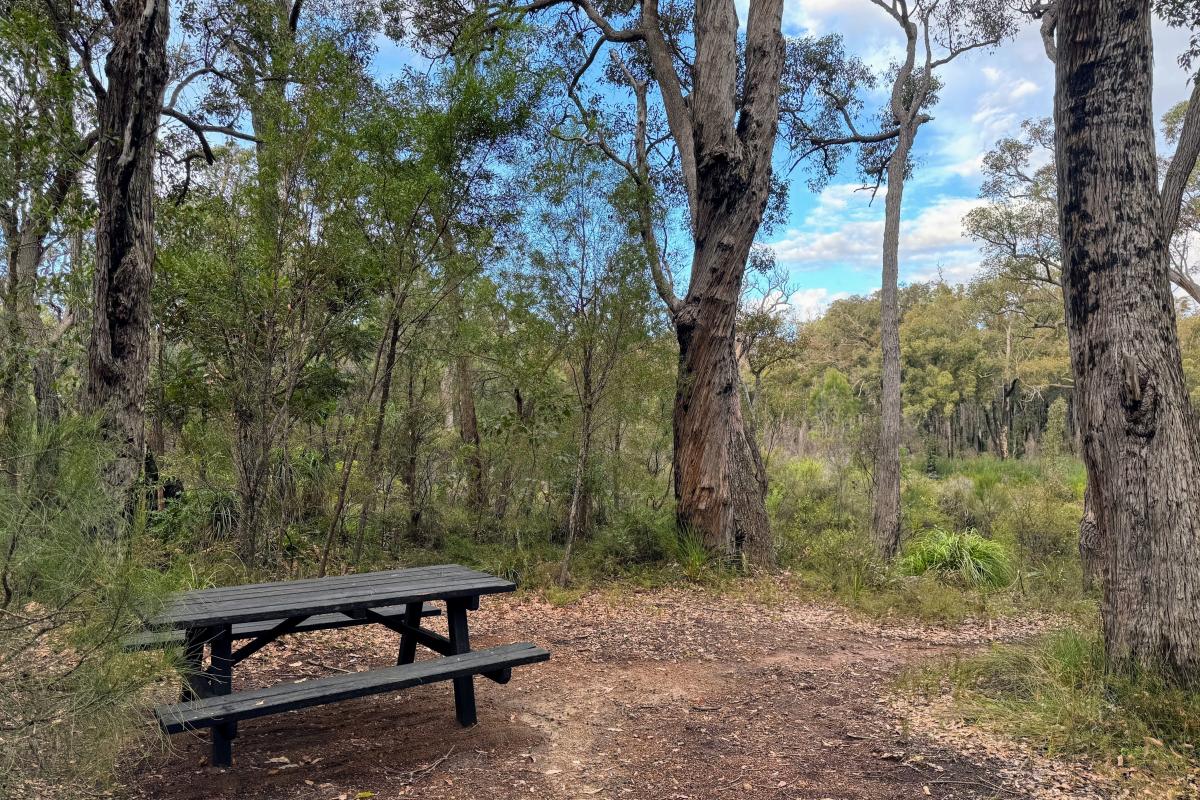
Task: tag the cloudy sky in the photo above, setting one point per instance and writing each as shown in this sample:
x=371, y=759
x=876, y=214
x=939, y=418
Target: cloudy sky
x=833, y=239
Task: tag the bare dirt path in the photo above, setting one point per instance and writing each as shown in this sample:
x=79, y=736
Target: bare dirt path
x=666, y=694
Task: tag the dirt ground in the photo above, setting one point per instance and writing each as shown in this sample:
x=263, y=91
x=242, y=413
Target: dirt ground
x=663, y=695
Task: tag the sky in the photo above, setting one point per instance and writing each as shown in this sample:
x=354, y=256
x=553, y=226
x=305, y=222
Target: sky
x=832, y=242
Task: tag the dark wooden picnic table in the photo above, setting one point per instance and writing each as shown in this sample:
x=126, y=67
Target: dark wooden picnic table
x=260, y=613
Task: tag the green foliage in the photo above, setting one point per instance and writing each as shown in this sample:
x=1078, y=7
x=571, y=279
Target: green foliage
x=75, y=578
x=1054, y=438
x=965, y=556
x=634, y=537
x=692, y=556
x=1056, y=695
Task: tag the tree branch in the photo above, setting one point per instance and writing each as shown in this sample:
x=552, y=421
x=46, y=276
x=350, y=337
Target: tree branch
x=200, y=129
x=1182, y=165
x=679, y=116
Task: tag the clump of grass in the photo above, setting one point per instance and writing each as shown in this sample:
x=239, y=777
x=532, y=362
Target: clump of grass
x=1056, y=694
x=692, y=556
x=967, y=556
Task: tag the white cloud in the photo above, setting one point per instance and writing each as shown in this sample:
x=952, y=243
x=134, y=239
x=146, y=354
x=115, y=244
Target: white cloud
x=810, y=304
x=931, y=238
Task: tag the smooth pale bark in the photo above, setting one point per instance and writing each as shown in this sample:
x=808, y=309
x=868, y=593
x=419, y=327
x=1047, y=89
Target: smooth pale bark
x=1140, y=435
x=580, y=499
x=465, y=416
x=119, y=349
x=886, y=521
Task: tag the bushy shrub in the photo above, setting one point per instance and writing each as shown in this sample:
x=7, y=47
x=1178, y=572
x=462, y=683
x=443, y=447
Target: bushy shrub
x=1042, y=526
x=809, y=500
x=965, y=556
x=75, y=577
x=920, y=504
x=634, y=537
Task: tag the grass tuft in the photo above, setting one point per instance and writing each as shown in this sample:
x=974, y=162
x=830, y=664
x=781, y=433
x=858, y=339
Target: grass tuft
x=967, y=556
x=1056, y=694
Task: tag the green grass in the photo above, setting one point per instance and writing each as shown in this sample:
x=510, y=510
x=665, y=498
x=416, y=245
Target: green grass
x=965, y=556
x=1055, y=694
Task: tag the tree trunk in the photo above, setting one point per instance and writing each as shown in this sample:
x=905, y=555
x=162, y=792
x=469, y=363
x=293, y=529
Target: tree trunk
x=468, y=423
x=720, y=483
x=577, y=515
x=412, y=457
x=886, y=524
x=119, y=350
x=1140, y=435
x=385, y=393
x=725, y=144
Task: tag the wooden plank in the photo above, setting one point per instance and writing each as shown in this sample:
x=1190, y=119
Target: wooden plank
x=312, y=602
x=153, y=640
x=195, y=681
x=318, y=597
x=187, y=603
x=264, y=590
x=414, y=634
x=220, y=679
x=288, y=697
x=408, y=642
x=332, y=588
x=271, y=586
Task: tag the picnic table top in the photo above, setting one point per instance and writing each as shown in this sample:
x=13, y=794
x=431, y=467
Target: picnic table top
x=262, y=601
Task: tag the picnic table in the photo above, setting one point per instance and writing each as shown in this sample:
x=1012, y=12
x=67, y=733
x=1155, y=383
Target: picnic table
x=260, y=613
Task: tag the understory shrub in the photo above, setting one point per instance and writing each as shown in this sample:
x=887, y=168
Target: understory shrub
x=809, y=501
x=75, y=578
x=965, y=556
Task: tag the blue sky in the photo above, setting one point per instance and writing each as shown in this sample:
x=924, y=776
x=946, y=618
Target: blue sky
x=832, y=242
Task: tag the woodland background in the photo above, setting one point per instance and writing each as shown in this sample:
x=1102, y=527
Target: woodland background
x=408, y=322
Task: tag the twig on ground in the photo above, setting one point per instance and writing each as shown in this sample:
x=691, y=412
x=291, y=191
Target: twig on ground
x=417, y=773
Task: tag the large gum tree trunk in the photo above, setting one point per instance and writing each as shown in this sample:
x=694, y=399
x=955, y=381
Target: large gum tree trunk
x=119, y=349
x=1140, y=434
x=720, y=483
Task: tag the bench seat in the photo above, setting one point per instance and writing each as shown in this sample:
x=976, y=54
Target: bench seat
x=219, y=710
x=156, y=639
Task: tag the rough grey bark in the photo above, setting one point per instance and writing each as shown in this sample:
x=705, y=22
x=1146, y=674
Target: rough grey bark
x=1140, y=435
x=119, y=348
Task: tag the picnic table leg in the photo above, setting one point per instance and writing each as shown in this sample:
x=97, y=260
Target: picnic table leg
x=460, y=642
x=221, y=672
x=408, y=642
x=193, y=662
